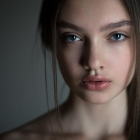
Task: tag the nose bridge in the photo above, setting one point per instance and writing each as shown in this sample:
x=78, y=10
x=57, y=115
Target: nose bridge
x=94, y=54
x=93, y=51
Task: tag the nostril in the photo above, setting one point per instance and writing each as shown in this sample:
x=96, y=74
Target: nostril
x=101, y=67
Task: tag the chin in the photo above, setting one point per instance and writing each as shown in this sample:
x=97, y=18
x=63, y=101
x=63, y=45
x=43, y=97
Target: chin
x=96, y=101
x=95, y=98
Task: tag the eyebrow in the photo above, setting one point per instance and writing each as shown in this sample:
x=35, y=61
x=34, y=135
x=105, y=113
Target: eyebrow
x=64, y=24
x=116, y=25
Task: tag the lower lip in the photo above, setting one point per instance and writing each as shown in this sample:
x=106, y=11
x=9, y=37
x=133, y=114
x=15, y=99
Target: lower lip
x=96, y=86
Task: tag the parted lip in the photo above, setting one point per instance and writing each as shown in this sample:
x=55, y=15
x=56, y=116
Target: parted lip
x=91, y=78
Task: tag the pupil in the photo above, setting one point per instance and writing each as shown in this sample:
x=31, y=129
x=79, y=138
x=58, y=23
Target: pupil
x=73, y=37
x=117, y=36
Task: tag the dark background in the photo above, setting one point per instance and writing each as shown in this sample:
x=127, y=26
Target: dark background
x=22, y=78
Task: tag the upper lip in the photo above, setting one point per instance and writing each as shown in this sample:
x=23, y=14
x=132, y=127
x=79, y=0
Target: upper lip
x=95, y=78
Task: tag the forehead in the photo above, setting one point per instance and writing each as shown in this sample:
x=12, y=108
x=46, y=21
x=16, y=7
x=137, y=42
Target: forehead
x=93, y=12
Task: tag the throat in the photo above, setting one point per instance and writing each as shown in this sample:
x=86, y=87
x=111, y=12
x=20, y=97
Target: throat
x=95, y=121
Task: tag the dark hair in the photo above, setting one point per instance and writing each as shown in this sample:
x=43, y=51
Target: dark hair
x=47, y=25
x=133, y=122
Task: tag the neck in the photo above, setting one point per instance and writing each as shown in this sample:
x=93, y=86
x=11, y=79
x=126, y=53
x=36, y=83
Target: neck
x=99, y=120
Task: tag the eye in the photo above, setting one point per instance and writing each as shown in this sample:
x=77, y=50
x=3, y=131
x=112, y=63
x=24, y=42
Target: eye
x=118, y=37
x=71, y=38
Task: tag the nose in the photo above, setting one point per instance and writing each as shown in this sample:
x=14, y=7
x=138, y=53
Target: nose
x=93, y=58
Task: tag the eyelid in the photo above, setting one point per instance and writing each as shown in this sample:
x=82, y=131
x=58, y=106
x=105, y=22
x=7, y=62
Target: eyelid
x=117, y=32
x=68, y=33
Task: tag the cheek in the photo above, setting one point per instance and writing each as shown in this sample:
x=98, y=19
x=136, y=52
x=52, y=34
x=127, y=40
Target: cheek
x=122, y=65
x=69, y=58
x=68, y=63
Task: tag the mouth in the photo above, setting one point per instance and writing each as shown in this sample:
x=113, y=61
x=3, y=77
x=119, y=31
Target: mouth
x=95, y=83
x=84, y=82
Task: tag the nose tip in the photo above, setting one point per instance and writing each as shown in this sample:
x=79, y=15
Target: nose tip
x=92, y=64
x=93, y=60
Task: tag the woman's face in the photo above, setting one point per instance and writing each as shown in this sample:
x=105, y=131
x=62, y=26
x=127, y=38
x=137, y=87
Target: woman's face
x=94, y=37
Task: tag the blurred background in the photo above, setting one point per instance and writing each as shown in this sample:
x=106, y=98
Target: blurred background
x=22, y=71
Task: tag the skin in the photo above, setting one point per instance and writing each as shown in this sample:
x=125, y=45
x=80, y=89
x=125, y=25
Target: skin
x=96, y=49
x=89, y=115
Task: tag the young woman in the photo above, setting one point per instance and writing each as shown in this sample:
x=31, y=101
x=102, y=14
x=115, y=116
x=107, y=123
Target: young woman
x=96, y=43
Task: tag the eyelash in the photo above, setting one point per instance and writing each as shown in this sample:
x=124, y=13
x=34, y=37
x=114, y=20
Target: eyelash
x=66, y=38
x=124, y=37
x=112, y=40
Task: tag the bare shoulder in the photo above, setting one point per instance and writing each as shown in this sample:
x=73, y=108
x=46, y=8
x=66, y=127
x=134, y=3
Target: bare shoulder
x=21, y=135
x=37, y=128
x=43, y=124
x=42, y=127
x=12, y=135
